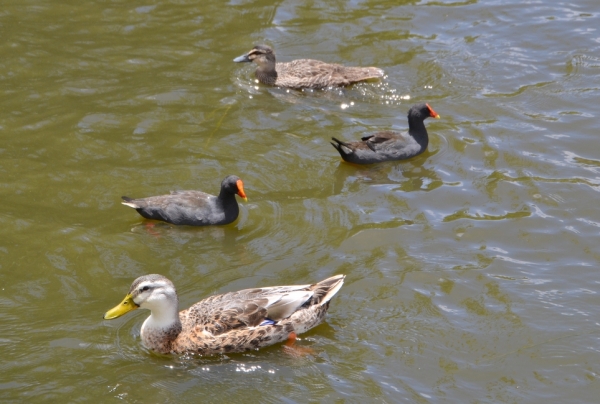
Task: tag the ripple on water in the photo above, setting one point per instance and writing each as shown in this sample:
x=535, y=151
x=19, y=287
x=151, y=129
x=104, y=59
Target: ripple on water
x=471, y=268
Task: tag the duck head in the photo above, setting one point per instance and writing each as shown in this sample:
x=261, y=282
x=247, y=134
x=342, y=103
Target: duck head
x=262, y=55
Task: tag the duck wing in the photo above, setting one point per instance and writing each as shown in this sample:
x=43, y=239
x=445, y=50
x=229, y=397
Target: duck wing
x=246, y=308
x=313, y=73
x=259, y=306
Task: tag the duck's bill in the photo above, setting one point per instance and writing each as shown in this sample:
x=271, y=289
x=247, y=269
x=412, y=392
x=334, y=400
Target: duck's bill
x=243, y=58
x=125, y=306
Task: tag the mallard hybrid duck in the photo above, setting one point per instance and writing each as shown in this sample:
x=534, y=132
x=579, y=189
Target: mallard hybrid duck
x=388, y=145
x=231, y=322
x=304, y=73
x=194, y=208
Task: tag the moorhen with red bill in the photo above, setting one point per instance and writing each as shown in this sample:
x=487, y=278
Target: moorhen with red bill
x=193, y=208
x=388, y=145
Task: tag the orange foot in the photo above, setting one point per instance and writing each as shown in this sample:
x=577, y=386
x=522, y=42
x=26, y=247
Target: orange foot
x=150, y=229
x=294, y=350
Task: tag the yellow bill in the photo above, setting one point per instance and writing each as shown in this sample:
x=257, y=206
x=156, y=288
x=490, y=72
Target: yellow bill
x=124, y=307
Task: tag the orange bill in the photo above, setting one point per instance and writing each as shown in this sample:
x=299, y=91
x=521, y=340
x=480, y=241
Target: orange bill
x=240, y=186
x=432, y=113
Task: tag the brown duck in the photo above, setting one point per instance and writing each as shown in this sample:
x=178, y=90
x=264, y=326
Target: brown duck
x=231, y=322
x=304, y=73
x=388, y=145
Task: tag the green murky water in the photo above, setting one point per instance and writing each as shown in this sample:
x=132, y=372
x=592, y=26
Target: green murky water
x=472, y=270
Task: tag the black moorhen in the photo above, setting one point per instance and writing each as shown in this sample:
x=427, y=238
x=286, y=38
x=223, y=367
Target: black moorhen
x=388, y=145
x=193, y=208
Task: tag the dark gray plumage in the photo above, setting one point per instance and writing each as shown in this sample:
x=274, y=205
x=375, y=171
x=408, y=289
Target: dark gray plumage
x=194, y=208
x=388, y=145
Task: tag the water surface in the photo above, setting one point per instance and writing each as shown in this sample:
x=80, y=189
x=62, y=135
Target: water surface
x=471, y=269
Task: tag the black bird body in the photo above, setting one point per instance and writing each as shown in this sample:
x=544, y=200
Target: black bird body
x=193, y=208
x=389, y=145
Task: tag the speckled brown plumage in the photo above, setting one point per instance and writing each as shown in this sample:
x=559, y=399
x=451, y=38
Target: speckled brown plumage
x=304, y=73
x=230, y=322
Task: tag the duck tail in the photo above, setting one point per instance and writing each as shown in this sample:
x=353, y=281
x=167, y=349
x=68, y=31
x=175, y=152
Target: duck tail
x=366, y=73
x=374, y=73
x=326, y=289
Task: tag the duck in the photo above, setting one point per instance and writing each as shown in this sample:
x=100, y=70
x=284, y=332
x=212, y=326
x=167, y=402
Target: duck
x=389, y=145
x=231, y=322
x=304, y=73
x=193, y=208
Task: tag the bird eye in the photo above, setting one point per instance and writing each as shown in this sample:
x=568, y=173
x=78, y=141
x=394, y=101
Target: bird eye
x=145, y=288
